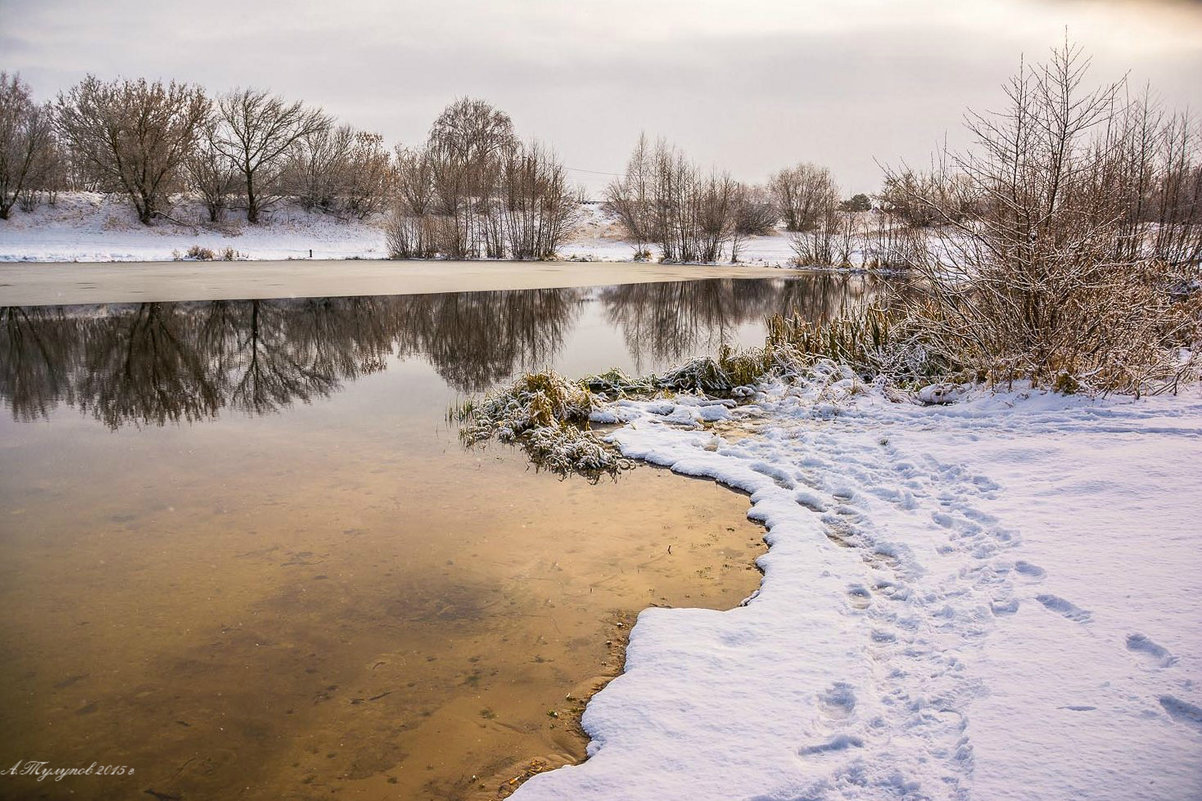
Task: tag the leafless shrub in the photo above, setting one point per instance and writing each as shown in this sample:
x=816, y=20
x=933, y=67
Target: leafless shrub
x=1175, y=204
x=892, y=245
x=664, y=198
x=538, y=206
x=849, y=238
x=369, y=176
x=754, y=214
x=410, y=232
x=133, y=135
x=898, y=198
x=1047, y=278
x=47, y=174
x=316, y=165
x=197, y=253
x=257, y=132
x=815, y=246
x=339, y=171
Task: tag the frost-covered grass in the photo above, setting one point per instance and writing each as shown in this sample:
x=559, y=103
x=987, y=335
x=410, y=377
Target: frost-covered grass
x=548, y=416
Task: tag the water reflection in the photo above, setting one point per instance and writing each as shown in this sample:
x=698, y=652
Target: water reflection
x=669, y=322
x=156, y=363
x=476, y=339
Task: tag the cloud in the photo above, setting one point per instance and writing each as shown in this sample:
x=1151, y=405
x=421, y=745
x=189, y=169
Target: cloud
x=750, y=87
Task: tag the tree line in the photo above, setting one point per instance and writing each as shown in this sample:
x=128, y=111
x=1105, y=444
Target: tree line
x=1152, y=180
x=473, y=189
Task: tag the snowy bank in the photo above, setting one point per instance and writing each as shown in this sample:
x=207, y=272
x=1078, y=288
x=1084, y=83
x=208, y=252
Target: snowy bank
x=92, y=227
x=994, y=599
x=87, y=226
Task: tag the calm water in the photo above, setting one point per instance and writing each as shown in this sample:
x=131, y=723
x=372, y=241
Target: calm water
x=242, y=554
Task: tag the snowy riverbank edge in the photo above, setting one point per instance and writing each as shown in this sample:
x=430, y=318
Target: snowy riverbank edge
x=995, y=599
x=92, y=227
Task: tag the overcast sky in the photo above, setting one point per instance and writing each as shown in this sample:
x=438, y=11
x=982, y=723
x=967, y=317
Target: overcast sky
x=747, y=86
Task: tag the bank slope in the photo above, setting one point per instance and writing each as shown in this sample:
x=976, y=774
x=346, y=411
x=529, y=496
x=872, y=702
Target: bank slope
x=996, y=599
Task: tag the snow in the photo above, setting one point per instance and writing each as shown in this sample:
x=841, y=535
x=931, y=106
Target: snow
x=87, y=226
x=92, y=227
x=992, y=598
x=598, y=237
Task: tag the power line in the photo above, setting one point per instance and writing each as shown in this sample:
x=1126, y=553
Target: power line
x=594, y=172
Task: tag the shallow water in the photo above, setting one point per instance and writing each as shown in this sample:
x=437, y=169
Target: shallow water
x=242, y=554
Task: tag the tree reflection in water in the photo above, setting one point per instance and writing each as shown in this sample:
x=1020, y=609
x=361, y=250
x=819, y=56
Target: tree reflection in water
x=664, y=322
x=669, y=322
x=155, y=363
x=476, y=339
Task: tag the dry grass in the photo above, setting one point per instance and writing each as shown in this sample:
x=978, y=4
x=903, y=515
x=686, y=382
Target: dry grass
x=548, y=416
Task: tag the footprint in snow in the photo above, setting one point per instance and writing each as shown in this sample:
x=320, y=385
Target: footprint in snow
x=1068, y=609
x=838, y=701
x=1007, y=606
x=1029, y=571
x=1182, y=711
x=858, y=597
x=1157, y=654
x=840, y=742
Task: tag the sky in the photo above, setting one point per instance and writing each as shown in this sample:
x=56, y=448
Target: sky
x=747, y=87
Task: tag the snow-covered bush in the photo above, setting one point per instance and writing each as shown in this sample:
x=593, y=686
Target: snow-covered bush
x=549, y=417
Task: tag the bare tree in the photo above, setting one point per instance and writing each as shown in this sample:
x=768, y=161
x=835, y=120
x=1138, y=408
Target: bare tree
x=754, y=215
x=25, y=140
x=716, y=208
x=629, y=197
x=47, y=174
x=663, y=198
x=211, y=174
x=133, y=134
x=467, y=144
x=897, y=197
x=257, y=133
x=411, y=231
x=808, y=199
x=369, y=175
x=1175, y=205
x=848, y=237
x=316, y=167
x=804, y=194
x=539, y=207
x=815, y=246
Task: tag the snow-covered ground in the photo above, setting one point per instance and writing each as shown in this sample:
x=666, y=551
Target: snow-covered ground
x=598, y=237
x=86, y=226
x=996, y=599
x=91, y=227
